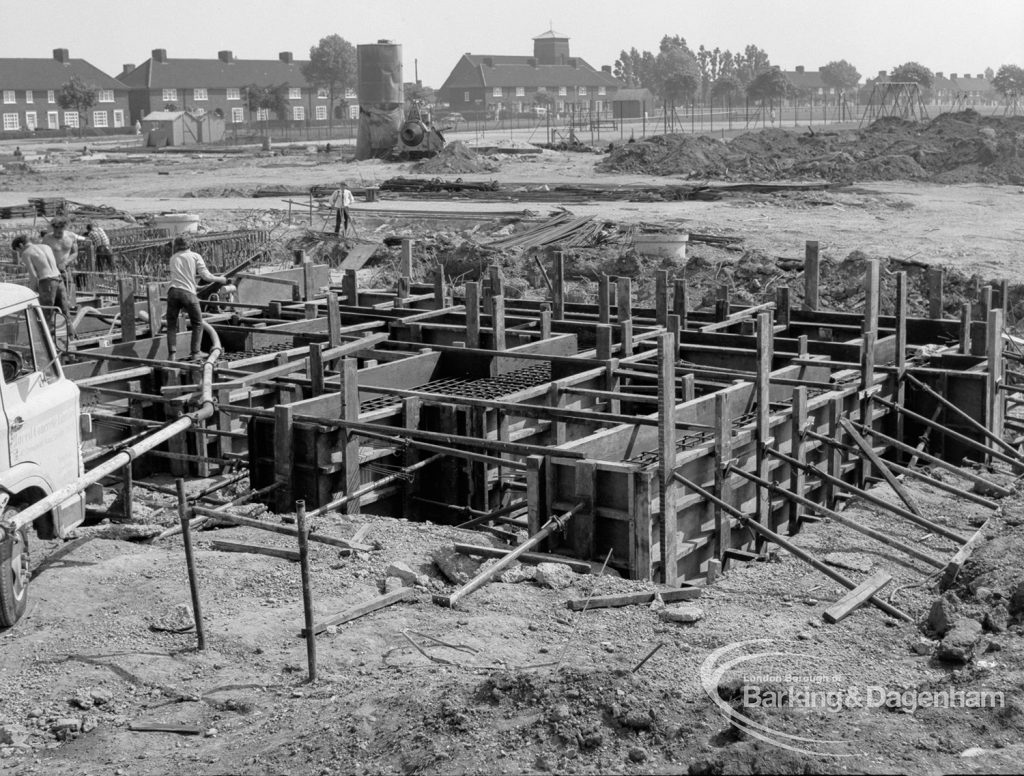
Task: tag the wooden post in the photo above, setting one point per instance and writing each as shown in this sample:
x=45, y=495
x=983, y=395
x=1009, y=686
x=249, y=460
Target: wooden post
x=126, y=300
x=128, y=493
x=765, y=356
x=965, y=329
x=333, y=320
x=308, y=280
x=498, y=322
x=901, y=352
x=350, y=287
x=411, y=417
x=545, y=321
x=723, y=452
x=812, y=275
x=184, y=516
x=604, y=341
x=797, y=477
x=559, y=296
x=497, y=280
x=624, y=299
x=405, y=272
x=440, y=289
x=935, y=300
x=833, y=454
x=680, y=300
x=349, y=441
x=604, y=304
x=986, y=302
x=1004, y=296
x=311, y=310
x=284, y=456
x=782, y=306
x=472, y=314
x=626, y=335
x=581, y=530
x=316, y=368
x=154, y=308
x=673, y=325
x=667, y=456
x=872, y=281
x=307, y=587
x=994, y=350
x=661, y=297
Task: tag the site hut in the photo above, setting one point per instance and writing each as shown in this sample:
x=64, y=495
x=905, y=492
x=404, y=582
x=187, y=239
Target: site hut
x=180, y=128
x=218, y=86
x=633, y=103
x=31, y=89
x=483, y=86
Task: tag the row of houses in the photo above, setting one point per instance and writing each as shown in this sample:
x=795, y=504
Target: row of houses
x=944, y=90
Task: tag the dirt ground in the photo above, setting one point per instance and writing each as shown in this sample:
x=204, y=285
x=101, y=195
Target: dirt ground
x=512, y=681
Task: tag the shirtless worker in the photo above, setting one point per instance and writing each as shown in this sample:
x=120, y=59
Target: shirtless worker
x=182, y=294
x=64, y=245
x=44, y=275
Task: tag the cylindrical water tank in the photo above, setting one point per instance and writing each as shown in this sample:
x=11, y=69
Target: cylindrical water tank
x=380, y=73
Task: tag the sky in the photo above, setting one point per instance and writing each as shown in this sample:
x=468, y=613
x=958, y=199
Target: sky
x=966, y=36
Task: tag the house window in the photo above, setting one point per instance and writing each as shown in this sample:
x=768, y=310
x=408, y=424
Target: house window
x=601, y=91
x=298, y=113
x=9, y=97
x=581, y=91
x=71, y=119
x=322, y=93
x=562, y=91
x=200, y=95
x=321, y=112
x=353, y=112
x=29, y=97
x=294, y=93
x=30, y=120
x=598, y=105
x=234, y=94
x=52, y=119
x=99, y=118
x=560, y=106
x=11, y=121
x=350, y=94
x=170, y=95
x=105, y=95
x=263, y=114
x=51, y=98
x=118, y=118
x=237, y=115
x=520, y=91
x=465, y=96
x=496, y=91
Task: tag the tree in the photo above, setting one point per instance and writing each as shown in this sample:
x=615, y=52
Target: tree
x=751, y=63
x=627, y=67
x=710, y=64
x=79, y=96
x=912, y=72
x=417, y=94
x=1009, y=81
x=989, y=73
x=839, y=75
x=769, y=86
x=332, y=65
x=267, y=99
x=678, y=75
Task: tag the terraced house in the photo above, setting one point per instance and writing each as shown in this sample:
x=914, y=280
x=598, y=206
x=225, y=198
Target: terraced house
x=219, y=86
x=31, y=88
x=491, y=85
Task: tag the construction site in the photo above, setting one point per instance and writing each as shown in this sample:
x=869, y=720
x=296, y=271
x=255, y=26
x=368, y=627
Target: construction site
x=567, y=461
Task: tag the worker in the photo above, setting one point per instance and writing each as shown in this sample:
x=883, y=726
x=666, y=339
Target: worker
x=100, y=246
x=182, y=294
x=64, y=244
x=44, y=276
x=340, y=201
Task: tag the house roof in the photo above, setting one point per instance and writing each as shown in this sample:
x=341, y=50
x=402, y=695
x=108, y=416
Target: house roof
x=637, y=95
x=215, y=73
x=164, y=115
x=476, y=70
x=808, y=79
x=971, y=84
x=25, y=73
x=551, y=34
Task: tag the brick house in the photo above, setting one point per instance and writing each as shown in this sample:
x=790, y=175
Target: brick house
x=30, y=88
x=965, y=90
x=218, y=86
x=491, y=85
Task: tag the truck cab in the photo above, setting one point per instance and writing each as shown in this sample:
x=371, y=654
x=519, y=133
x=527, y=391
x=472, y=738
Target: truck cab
x=39, y=437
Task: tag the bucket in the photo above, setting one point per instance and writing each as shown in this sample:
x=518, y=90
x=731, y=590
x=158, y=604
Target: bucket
x=670, y=246
x=177, y=223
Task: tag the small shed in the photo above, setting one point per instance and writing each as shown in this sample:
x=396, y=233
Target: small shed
x=181, y=128
x=632, y=103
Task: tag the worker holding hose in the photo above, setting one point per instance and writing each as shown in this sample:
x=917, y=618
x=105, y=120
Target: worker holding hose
x=182, y=295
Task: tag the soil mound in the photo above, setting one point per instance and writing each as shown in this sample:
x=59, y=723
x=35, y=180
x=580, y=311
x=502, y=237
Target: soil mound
x=952, y=148
x=455, y=157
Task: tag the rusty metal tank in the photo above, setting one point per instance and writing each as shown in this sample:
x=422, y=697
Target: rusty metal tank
x=380, y=73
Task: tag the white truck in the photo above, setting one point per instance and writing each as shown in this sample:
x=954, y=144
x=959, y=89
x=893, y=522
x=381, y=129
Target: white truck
x=40, y=451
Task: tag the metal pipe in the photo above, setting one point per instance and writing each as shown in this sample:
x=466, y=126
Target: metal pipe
x=126, y=456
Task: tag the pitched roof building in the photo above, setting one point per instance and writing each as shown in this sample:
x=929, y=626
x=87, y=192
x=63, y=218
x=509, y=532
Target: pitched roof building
x=30, y=90
x=485, y=85
x=218, y=86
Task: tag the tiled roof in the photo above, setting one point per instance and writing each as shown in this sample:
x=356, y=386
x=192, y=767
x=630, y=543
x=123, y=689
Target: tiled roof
x=808, y=79
x=639, y=95
x=215, y=73
x=551, y=34
x=51, y=74
x=511, y=71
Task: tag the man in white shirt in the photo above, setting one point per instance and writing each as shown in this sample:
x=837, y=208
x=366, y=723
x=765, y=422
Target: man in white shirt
x=340, y=200
x=182, y=294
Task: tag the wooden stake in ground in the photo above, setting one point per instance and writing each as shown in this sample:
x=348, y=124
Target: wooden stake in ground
x=190, y=563
x=307, y=594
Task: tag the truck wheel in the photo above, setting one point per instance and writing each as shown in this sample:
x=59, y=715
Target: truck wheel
x=14, y=576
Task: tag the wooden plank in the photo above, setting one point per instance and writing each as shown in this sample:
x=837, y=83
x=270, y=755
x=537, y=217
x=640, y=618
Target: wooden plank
x=667, y=456
x=126, y=302
x=349, y=441
x=355, y=612
x=762, y=405
x=880, y=466
x=284, y=457
x=280, y=528
x=723, y=487
x=583, y=528
x=812, y=275
x=935, y=300
x=798, y=446
x=949, y=573
x=604, y=304
x=856, y=597
x=160, y=727
x=276, y=552
x=634, y=599
x=533, y=558
x=624, y=299
x=472, y=315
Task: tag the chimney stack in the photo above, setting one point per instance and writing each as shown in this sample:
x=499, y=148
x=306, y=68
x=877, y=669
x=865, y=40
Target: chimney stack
x=606, y=69
x=286, y=57
x=159, y=55
x=225, y=56
x=939, y=74
x=799, y=68
x=488, y=62
x=881, y=74
x=532, y=61
x=61, y=55
x=952, y=76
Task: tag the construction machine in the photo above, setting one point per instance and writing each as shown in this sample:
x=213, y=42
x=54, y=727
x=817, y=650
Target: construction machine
x=418, y=138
